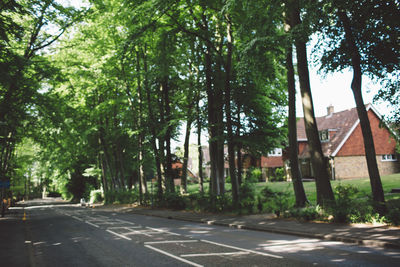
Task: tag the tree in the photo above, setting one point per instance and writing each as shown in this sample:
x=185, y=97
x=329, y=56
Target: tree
x=300, y=195
x=362, y=35
x=318, y=161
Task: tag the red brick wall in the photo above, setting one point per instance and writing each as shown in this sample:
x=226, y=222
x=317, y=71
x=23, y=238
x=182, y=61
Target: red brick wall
x=384, y=143
x=302, y=145
x=271, y=162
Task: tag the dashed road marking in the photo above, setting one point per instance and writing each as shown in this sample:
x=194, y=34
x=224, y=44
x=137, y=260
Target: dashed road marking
x=92, y=224
x=170, y=241
x=173, y=256
x=116, y=234
x=215, y=254
x=242, y=249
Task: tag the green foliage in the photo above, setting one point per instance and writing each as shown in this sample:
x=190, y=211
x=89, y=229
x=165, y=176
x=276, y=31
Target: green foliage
x=96, y=196
x=173, y=200
x=344, y=204
x=121, y=197
x=309, y=213
x=276, y=202
x=247, y=196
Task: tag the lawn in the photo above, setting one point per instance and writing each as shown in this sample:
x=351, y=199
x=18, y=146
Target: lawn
x=362, y=184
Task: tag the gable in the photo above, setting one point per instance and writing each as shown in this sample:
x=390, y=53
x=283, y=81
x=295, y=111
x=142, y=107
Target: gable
x=354, y=144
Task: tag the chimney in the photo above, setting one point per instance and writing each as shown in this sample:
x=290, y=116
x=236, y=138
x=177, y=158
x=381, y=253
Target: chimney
x=330, y=110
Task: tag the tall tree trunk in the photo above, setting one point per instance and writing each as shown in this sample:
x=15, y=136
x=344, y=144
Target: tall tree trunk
x=375, y=179
x=211, y=114
x=199, y=147
x=153, y=130
x=228, y=114
x=168, y=160
x=319, y=163
x=186, y=154
x=141, y=176
x=239, y=146
x=301, y=198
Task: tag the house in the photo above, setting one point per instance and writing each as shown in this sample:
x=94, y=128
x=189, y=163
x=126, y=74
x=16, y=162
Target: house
x=343, y=145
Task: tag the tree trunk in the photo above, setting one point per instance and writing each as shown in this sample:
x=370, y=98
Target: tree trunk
x=199, y=147
x=239, y=147
x=168, y=160
x=375, y=179
x=301, y=198
x=153, y=131
x=228, y=114
x=319, y=163
x=186, y=155
x=141, y=178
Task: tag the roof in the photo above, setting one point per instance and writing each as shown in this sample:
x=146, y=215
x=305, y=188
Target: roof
x=340, y=125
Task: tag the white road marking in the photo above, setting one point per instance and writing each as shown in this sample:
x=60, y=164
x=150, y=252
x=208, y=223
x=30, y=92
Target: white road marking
x=92, y=224
x=216, y=254
x=127, y=222
x=242, y=249
x=170, y=241
x=122, y=236
x=163, y=231
x=172, y=256
x=76, y=218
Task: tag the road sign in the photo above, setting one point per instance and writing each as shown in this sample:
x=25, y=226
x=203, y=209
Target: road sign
x=4, y=184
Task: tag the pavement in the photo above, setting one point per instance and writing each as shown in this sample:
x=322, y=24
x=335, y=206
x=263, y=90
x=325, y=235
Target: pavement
x=360, y=234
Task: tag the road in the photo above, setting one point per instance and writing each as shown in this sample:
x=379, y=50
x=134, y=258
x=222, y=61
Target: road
x=69, y=235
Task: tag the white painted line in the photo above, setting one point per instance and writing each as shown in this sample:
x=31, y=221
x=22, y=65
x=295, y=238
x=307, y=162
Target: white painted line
x=172, y=256
x=216, y=254
x=136, y=232
x=122, y=236
x=92, y=224
x=170, y=241
x=163, y=231
x=242, y=249
x=127, y=222
x=76, y=218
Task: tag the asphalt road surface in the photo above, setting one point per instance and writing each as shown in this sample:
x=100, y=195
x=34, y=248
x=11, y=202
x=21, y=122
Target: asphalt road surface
x=69, y=235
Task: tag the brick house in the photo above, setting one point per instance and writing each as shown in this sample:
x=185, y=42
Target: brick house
x=343, y=145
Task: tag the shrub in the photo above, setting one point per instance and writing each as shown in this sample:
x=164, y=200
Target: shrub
x=247, y=196
x=308, y=213
x=121, y=197
x=344, y=205
x=276, y=202
x=174, y=201
x=96, y=196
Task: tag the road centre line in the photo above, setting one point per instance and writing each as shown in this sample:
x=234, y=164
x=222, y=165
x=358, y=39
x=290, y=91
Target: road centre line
x=92, y=224
x=215, y=254
x=170, y=241
x=173, y=256
x=242, y=249
x=119, y=235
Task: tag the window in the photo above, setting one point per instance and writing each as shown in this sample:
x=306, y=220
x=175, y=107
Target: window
x=389, y=157
x=275, y=153
x=324, y=135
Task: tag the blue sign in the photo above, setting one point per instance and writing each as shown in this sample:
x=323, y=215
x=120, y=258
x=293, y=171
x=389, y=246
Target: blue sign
x=5, y=184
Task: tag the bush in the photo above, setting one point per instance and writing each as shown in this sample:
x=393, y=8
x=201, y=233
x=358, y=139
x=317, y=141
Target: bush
x=96, y=196
x=247, y=196
x=54, y=194
x=276, y=202
x=344, y=205
x=309, y=213
x=121, y=197
x=174, y=201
